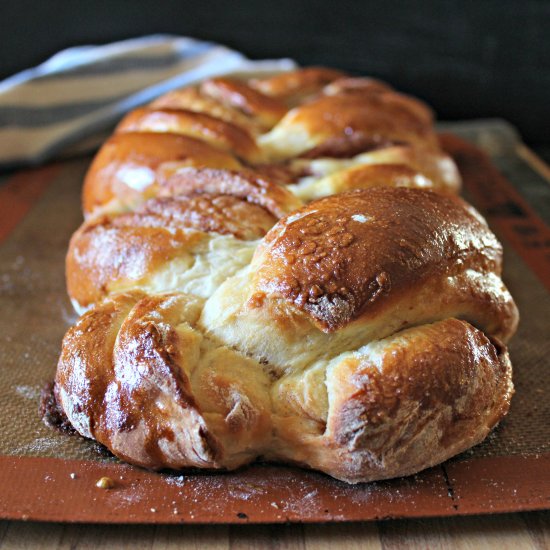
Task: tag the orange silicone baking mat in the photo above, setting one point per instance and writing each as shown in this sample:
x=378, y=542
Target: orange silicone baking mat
x=45, y=475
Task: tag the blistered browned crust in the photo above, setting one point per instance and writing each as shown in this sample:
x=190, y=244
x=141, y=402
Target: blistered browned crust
x=112, y=251
x=295, y=86
x=244, y=184
x=215, y=131
x=207, y=212
x=129, y=166
x=122, y=380
x=413, y=401
x=357, y=253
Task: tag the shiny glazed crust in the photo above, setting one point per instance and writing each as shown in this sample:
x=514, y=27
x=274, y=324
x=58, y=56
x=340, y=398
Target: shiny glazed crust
x=280, y=269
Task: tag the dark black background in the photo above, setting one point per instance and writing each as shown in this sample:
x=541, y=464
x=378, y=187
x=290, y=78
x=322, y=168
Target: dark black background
x=467, y=59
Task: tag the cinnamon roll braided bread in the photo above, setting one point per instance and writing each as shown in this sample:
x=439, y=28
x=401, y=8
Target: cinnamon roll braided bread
x=280, y=269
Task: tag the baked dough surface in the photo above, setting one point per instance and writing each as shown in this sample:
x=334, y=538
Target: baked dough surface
x=281, y=269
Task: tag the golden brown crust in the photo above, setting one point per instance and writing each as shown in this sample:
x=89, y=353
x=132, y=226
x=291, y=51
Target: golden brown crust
x=192, y=99
x=81, y=385
x=140, y=393
x=363, y=121
x=223, y=120
x=246, y=185
x=114, y=252
x=267, y=110
x=218, y=133
x=104, y=258
x=387, y=97
x=389, y=116
x=163, y=395
x=129, y=166
x=210, y=213
x=141, y=401
x=351, y=84
x=361, y=335
x=382, y=175
x=295, y=86
x=394, y=166
x=400, y=405
x=345, y=146
x=341, y=257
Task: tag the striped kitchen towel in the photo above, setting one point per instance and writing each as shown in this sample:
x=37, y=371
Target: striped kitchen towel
x=69, y=103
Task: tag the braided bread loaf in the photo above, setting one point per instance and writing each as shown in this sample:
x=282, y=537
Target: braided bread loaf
x=281, y=269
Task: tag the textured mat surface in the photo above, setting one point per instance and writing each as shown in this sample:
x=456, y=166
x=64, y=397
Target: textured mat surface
x=40, y=209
